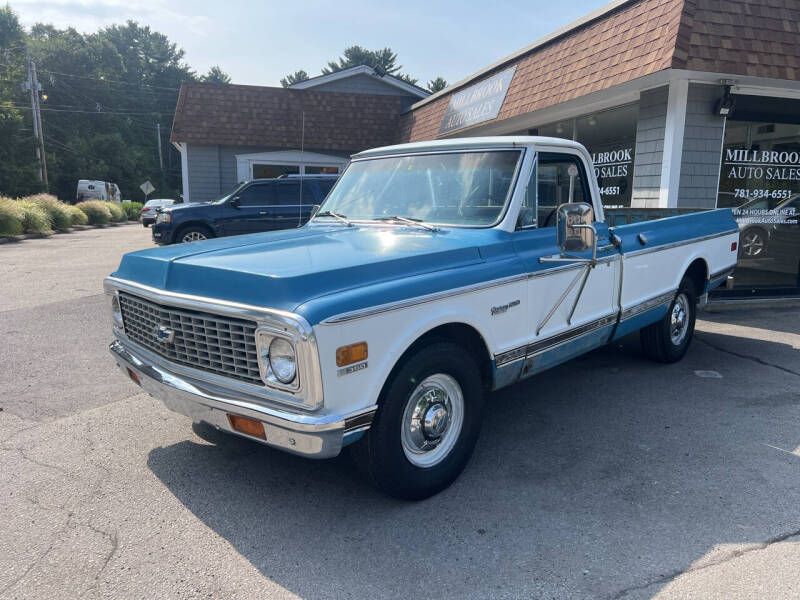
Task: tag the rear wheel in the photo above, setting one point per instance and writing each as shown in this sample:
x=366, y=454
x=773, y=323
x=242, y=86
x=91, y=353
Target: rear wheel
x=668, y=340
x=194, y=233
x=427, y=424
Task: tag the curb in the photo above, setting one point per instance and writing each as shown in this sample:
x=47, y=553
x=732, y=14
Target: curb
x=32, y=236
x=718, y=306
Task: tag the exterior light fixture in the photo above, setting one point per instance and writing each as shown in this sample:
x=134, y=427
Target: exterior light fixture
x=592, y=120
x=560, y=128
x=726, y=103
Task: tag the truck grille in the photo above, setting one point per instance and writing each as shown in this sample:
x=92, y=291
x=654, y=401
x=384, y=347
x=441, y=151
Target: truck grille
x=212, y=343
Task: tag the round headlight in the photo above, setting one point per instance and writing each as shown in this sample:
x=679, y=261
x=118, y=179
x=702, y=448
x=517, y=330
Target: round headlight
x=116, y=313
x=282, y=360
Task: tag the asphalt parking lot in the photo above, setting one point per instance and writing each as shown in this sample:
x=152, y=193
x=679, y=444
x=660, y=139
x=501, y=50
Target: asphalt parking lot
x=608, y=477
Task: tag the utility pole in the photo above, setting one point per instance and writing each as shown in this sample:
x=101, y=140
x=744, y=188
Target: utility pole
x=160, y=158
x=38, y=133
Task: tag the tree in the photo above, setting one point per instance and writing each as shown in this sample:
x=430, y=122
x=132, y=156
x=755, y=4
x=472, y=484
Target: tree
x=434, y=85
x=293, y=78
x=216, y=75
x=384, y=61
x=107, y=91
x=18, y=164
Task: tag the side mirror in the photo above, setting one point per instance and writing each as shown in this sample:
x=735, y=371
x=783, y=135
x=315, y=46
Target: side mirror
x=575, y=230
x=234, y=202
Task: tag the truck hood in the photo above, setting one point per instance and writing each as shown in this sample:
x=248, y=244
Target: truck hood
x=285, y=269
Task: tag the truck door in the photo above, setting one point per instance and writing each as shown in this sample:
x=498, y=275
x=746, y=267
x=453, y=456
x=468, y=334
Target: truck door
x=251, y=209
x=572, y=307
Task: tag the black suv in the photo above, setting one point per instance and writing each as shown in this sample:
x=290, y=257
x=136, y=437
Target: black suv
x=258, y=205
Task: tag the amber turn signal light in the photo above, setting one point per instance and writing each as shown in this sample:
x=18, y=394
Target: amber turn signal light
x=347, y=355
x=247, y=426
x=132, y=374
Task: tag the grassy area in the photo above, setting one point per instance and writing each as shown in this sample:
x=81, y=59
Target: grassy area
x=43, y=213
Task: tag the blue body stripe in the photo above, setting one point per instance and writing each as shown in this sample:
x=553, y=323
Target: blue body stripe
x=320, y=271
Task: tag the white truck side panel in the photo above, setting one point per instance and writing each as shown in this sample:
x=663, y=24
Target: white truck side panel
x=649, y=273
x=390, y=333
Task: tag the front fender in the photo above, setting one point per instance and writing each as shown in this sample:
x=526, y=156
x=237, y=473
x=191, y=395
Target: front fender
x=391, y=333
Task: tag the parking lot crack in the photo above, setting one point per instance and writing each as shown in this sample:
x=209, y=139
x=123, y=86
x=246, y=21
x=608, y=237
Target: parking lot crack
x=669, y=577
x=41, y=557
x=111, y=538
x=755, y=359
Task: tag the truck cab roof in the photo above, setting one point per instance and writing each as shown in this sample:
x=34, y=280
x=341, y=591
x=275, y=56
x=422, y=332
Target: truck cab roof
x=505, y=141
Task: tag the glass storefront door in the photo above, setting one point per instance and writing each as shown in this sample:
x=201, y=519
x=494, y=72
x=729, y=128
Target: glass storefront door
x=760, y=181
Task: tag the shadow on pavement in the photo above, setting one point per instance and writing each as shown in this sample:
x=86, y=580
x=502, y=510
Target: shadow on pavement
x=605, y=477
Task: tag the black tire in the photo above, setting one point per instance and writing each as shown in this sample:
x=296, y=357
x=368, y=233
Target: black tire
x=199, y=231
x=753, y=243
x=144, y=225
x=658, y=340
x=380, y=454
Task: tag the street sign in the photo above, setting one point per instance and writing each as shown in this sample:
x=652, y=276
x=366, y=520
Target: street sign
x=147, y=188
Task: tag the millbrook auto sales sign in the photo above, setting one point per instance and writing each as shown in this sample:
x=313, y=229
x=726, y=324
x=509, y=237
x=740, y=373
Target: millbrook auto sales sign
x=750, y=174
x=478, y=103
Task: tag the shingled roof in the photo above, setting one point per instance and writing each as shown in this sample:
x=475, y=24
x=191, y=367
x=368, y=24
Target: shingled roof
x=631, y=39
x=242, y=115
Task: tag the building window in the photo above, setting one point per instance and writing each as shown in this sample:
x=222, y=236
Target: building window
x=760, y=181
x=610, y=137
x=261, y=171
x=321, y=170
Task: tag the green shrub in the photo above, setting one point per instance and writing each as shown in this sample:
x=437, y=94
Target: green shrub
x=96, y=211
x=118, y=214
x=133, y=209
x=10, y=217
x=77, y=216
x=34, y=218
x=57, y=212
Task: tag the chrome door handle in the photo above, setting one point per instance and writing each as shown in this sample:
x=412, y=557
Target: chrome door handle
x=264, y=212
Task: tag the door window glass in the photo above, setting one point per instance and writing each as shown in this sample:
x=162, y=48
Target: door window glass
x=288, y=193
x=560, y=178
x=260, y=194
x=527, y=212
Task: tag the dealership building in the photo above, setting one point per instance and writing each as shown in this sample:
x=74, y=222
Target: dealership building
x=683, y=104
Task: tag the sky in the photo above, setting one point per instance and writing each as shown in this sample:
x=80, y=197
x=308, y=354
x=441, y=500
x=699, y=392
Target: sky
x=257, y=43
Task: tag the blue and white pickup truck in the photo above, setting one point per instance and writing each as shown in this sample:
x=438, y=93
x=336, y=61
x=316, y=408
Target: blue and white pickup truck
x=433, y=274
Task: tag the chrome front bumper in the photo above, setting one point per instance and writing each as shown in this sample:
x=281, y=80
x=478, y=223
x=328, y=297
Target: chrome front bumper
x=311, y=435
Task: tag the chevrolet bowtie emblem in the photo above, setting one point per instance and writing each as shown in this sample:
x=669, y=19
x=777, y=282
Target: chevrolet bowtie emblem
x=164, y=334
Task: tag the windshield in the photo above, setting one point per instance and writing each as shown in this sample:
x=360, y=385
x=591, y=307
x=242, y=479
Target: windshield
x=454, y=188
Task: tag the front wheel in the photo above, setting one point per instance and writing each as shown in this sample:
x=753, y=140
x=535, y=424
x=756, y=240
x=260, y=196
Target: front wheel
x=194, y=233
x=668, y=340
x=427, y=423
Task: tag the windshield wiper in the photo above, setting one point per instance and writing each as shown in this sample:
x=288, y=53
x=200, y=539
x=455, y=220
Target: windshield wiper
x=409, y=221
x=335, y=215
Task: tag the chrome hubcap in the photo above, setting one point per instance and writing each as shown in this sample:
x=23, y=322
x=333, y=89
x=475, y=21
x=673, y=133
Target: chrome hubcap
x=752, y=244
x=432, y=420
x=679, y=319
x=193, y=236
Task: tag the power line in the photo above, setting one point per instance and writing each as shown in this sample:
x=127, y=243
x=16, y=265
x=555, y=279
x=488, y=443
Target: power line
x=62, y=146
x=111, y=81
x=98, y=112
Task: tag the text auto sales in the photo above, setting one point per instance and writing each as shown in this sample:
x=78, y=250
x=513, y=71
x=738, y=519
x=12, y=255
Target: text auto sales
x=762, y=164
x=612, y=164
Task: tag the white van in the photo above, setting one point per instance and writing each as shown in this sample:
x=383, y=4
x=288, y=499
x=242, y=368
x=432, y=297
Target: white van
x=89, y=189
